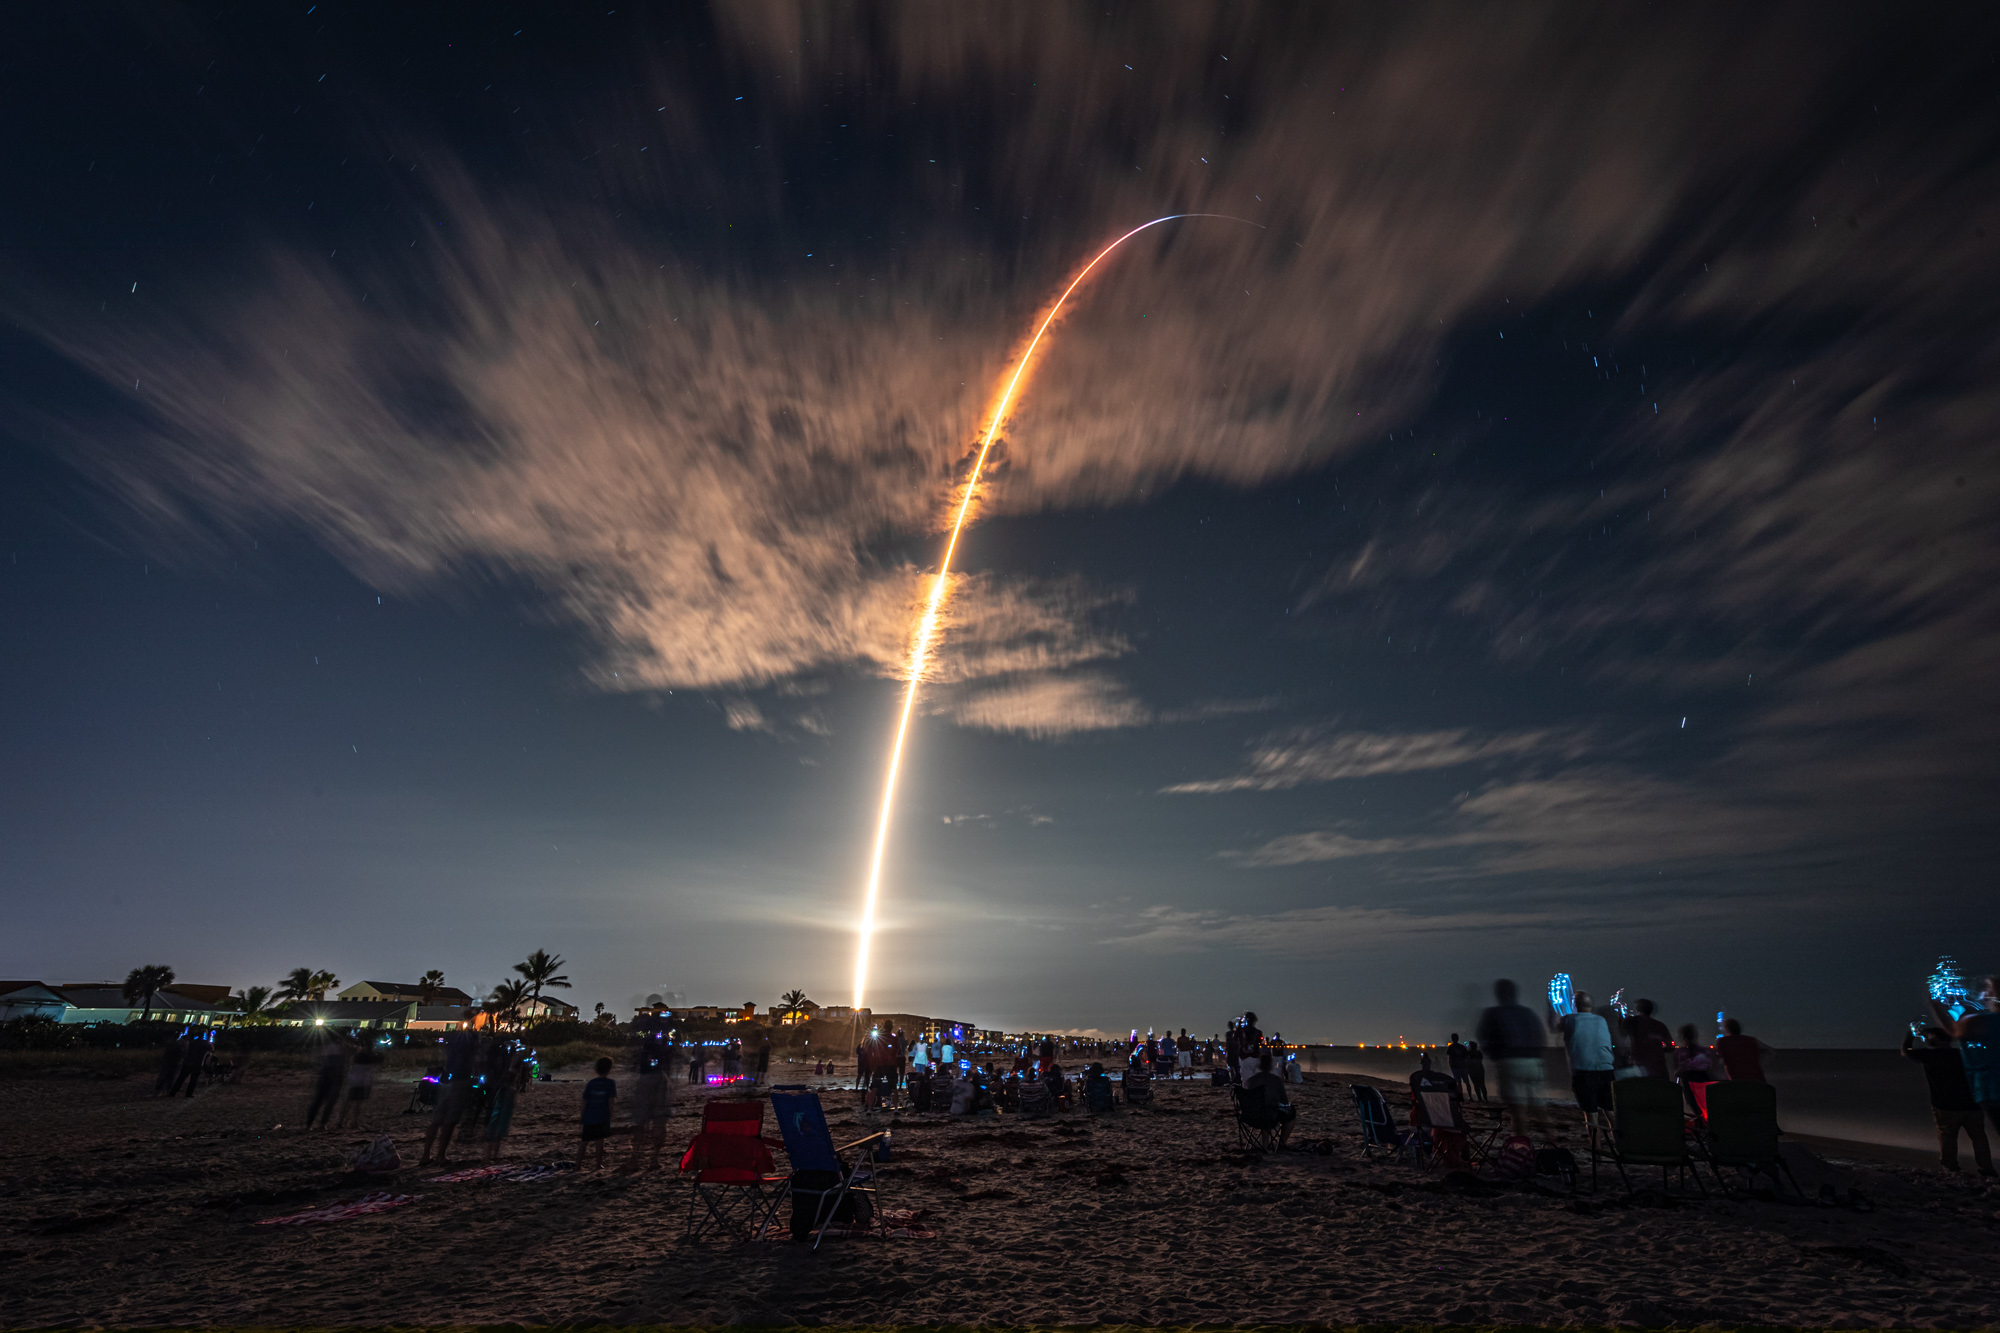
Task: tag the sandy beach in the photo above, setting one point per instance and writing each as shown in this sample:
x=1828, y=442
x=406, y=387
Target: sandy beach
x=124, y=1210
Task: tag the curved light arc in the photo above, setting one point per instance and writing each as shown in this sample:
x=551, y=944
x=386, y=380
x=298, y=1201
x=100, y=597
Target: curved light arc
x=920, y=647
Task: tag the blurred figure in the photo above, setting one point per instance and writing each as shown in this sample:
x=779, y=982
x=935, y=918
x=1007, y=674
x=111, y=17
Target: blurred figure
x=1692, y=1065
x=461, y=1055
x=508, y=1080
x=1648, y=1040
x=1512, y=1035
x=171, y=1056
x=1454, y=1062
x=1952, y=1104
x=360, y=1084
x=332, y=1079
x=1475, y=1069
x=1272, y=1088
x=1743, y=1057
x=1184, y=1055
x=1978, y=1036
x=600, y=1095
x=653, y=1102
x=194, y=1060
x=1249, y=1045
x=1587, y=1038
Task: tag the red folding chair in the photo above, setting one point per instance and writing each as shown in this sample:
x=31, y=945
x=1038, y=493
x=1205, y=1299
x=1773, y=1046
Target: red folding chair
x=735, y=1188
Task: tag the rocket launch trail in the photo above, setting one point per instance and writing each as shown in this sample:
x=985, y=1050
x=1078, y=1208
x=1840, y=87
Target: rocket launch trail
x=920, y=647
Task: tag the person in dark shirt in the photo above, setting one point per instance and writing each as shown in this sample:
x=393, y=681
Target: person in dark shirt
x=599, y=1095
x=1454, y=1060
x=1512, y=1035
x=1742, y=1057
x=1475, y=1070
x=1952, y=1105
x=1272, y=1088
x=1649, y=1041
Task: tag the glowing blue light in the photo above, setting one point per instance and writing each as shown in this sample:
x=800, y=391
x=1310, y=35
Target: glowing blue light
x=1948, y=989
x=1562, y=995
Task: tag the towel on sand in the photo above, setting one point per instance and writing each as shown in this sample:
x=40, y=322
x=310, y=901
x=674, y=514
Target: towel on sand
x=340, y=1212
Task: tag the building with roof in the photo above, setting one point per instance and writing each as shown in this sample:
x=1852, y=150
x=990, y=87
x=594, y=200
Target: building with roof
x=389, y=1014
x=182, y=1002
x=405, y=990
x=30, y=999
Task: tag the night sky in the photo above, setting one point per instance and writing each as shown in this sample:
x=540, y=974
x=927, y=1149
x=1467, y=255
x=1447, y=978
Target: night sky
x=467, y=474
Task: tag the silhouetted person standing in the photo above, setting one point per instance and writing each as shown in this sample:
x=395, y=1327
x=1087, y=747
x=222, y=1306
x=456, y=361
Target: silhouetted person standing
x=1512, y=1035
x=1952, y=1105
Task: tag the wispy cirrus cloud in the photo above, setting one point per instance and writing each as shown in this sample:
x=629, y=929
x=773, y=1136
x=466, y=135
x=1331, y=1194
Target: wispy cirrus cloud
x=699, y=461
x=1582, y=820
x=1320, y=755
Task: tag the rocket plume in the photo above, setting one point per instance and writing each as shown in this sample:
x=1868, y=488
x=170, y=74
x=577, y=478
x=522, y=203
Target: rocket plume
x=920, y=647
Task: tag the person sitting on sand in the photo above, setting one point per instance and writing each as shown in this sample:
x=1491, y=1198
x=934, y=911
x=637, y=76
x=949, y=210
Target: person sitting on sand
x=599, y=1096
x=1272, y=1088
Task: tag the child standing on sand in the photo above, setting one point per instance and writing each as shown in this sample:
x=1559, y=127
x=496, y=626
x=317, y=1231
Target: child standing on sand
x=598, y=1096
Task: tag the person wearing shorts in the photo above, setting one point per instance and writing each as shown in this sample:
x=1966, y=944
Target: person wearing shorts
x=652, y=1103
x=360, y=1083
x=460, y=1051
x=1591, y=1055
x=1512, y=1034
x=599, y=1096
x=1184, y=1053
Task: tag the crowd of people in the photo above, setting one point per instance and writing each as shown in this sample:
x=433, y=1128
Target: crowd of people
x=1630, y=1042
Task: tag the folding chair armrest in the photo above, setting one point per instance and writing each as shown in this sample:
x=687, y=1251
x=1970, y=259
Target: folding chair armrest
x=878, y=1134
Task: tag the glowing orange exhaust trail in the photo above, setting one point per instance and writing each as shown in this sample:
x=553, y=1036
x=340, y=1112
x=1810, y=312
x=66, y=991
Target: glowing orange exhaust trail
x=927, y=628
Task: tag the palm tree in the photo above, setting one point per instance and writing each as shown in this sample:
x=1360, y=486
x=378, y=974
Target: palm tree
x=322, y=982
x=507, y=999
x=143, y=983
x=296, y=984
x=251, y=1003
x=429, y=987
x=794, y=1002
x=540, y=970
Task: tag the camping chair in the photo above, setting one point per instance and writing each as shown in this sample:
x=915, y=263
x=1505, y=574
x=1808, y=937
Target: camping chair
x=1440, y=1111
x=731, y=1164
x=1648, y=1129
x=1741, y=1130
x=424, y=1096
x=825, y=1178
x=1379, y=1131
x=1036, y=1099
x=1257, y=1121
x=1138, y=1087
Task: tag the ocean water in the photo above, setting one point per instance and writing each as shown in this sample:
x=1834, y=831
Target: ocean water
x=1864, y=1095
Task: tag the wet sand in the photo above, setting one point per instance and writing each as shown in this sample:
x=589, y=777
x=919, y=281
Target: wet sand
x=122, y=1210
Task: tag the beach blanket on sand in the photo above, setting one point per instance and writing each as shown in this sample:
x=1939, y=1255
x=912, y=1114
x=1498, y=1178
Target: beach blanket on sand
x=341, y=1212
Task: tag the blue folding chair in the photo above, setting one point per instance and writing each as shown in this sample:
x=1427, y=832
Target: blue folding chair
x=832, y=1179
x=1379, y=1131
